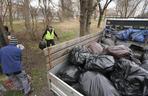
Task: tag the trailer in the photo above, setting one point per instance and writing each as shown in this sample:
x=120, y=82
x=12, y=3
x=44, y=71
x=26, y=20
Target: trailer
x=56, y=56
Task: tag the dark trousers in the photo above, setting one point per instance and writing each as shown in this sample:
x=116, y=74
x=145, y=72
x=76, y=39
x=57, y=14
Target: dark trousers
x=20, y=80
x=50, y=42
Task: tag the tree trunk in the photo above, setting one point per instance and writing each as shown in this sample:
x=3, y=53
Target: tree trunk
x=83, y=16
x=102, y=10
x=4, y=9
x=1, y=7
x=126, y=5
x=86, y=10
x=27, y=19
x=100, y=19
x=10, y=15
x=36, y=23
x=89, y=15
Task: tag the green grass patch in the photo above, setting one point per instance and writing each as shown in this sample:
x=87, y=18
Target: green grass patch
x=65, y=36
x=13, y=93
x=38, y=79
x=2, y=77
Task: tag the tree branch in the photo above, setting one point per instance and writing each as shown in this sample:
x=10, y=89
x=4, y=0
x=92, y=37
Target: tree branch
x=131, y=12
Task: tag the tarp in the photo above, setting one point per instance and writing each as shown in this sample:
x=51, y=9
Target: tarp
x=133, y=34
x=125, y=34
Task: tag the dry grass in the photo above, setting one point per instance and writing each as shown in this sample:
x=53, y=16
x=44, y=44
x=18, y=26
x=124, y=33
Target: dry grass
x=60, y=27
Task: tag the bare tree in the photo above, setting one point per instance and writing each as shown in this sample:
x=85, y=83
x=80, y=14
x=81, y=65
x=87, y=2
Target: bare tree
x=144, y=7
x=10, y=14
x=34, y=14
x=76, y=8
x=86, y=9
x=127, y=8
x=66, y=8
x=46, y=11
x=27, y=19
x=3, y=9
x=102, y=9
x=19, y=9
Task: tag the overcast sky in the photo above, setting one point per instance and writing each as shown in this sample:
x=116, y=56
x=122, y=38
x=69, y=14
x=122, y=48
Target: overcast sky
x=34, y=3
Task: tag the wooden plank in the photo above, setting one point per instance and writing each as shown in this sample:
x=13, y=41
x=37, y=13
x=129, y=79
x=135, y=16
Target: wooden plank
x=46, y=51
x=66, y=44
x=66, y=50
x=60, y=53
x=48, y=66
x=47, y=59
x=49, y=80
x=95, y=39
x=60, y=60
x=64, y=87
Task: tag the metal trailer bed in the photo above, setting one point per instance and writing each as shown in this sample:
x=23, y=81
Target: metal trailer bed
x=56, y=56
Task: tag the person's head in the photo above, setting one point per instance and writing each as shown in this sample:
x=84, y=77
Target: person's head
x=49, y=27
x=6, y=28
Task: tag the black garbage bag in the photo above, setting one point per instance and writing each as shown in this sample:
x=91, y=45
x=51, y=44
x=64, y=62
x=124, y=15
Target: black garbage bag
x=76, y=86
x=70, y=74
x=145, y=64
x=119, y=51
x=42, y=44
x=145, y=60
x=134, y=59
x=95, y=48
x=137, y=54
x=78, y=55
x=145, y=55
x=101, y=63
x=129, y=79
x=137, y=50
x=108, y=41
x=105, y=46
x=136, y=47
x=95, y=84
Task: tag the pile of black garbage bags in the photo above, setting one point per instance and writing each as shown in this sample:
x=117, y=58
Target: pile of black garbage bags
x=105, y=68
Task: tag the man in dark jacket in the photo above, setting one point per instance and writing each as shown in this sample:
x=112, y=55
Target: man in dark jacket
x=49, y=36
x=10, y=59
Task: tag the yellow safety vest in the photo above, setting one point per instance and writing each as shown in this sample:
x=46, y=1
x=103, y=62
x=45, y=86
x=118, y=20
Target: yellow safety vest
x=49, y=35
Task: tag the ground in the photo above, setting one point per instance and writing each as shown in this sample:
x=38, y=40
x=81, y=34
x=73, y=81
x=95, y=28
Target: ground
x=33, y=58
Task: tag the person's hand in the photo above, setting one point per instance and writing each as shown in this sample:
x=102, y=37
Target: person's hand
x=20, y=46
x=42, y=39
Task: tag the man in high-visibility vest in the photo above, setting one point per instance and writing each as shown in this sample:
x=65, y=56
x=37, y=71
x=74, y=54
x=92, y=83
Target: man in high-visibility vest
x=49, y=36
